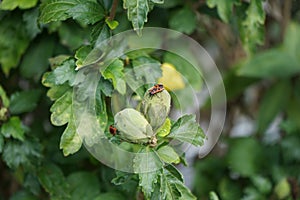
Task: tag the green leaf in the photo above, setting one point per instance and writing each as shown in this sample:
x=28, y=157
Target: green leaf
x=101, y=108
x=213, y=196
x=81, y=55
x=83, y=185
x=56, y=10
x=183, y=20
x=70, y=141
x=110, y=196
x=25, y=101
x=137, y=11
x=240, y=160
x=186, y=129
x=186, y=69
x=23, y=195
x=224, y=8
x=165, y=129
x=62, y=109
x=283, y=189
x=3, y=97
x=251, y=28
x=26, y=153
x=113, y=24
x=13, y=128
x=168, y=155
x=72, y=35
x=262, y=184
x=56, y=92
x=147, y=68
x=272, y=63
x=31, y=20
x=274, y=101
x=22, y=4
x=291, y=41
x=115, y=72
x=87, y=12
x=12, y=49
x=172, y=188
x=1, y=143
x=53, y=181
x=147, y=165
x=158, y=1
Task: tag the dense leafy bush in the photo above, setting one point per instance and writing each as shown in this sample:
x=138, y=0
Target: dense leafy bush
x=45, y=44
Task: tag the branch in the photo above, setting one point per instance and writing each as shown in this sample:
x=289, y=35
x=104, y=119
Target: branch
x=113, y=10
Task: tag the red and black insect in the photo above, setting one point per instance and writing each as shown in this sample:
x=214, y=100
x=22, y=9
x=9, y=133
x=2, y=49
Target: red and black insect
x=156, y=89
x=113, y=130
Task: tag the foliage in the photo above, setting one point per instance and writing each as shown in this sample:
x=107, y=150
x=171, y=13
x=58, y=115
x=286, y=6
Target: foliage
x=44, y=47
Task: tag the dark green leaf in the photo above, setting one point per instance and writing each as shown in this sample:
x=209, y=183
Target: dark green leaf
x=12, y=49
x=56, y=10
x=70, y=141
x=115, y=72
x=110, y=196
x=83, y=185
x=53, y=181
x=62, y=109
x=81, y=55
x=56, y=92
x=106, y=87
x=31, y=20
x=1, y=143
x=72, y=35
x=27, y=154
x=224, y=8
x=137, y=11
x=24, y=101
x=23, y=195
x=31, y=182
x=262, y=184
x=272, y=63
x=274, y=101
x=239, y=158
x=13, y=128
x=87, y=12
x=147, y=69
x=11, y=5
x=186, y=129
x=184, y=21
x=168, y=155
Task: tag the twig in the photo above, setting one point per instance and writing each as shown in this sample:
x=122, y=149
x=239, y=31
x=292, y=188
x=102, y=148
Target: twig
x=286, y=13
x=113, y=10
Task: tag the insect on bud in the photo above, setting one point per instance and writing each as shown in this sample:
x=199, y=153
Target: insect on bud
x=156, y=106
x=132, y=126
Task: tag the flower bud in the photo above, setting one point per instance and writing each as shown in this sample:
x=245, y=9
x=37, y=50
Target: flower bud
x=156, y=108
x=132, y=126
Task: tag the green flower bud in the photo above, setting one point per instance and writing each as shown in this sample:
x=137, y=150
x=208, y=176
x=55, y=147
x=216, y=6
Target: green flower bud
x=132, y=126
x=156, y=108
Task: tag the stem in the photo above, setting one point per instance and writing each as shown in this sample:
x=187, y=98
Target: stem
x=286, y=13
x=113, y=10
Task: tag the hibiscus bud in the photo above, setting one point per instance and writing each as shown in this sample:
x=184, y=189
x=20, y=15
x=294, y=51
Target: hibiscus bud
x=156, y=106
x=132, y=126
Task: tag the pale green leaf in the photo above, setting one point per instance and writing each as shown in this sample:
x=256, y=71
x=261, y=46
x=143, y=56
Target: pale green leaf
x=3, y=97
x=168, y=155
x=24, y=101
x=113, y=24
x=137, y=11
x=184, y=20
x=101, y=108
x=224, y=8
x=147, y=164
x=56, y=92
x=22, y=4
x=87, y=12
x=115, y=72
x=158, y=1
x=213, y=196
x=13, y=128
x=274, y=101
x=62, y=109
x=186, y=129
x=70, y=141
